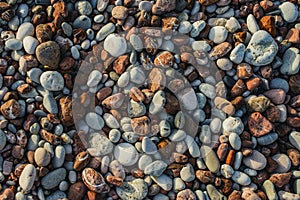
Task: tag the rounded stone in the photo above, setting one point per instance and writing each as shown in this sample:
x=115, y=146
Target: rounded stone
x=224, y=64
x=187, y=173
x=94, y=78
x=155, y=168
x=27, y=177
x=136, y=189
x=48, y=54
x=115, y=45
x=235, y=141
x=241, y=178
x=84, y=7
x=261, y=49
x=13, y=44
x=210, y=158
x=83, y=22
x=289, y=11
x=94, y=121
x=59, y=156
x=53, y=178
x=279, y=83
x=256, y=161
x=26, y=29
x=148, y=146
x=294, y=139
x=291, y=61
x=126, y=154
x=237, y=54
x=2, y=140
x=218, y=34
x=52, y=80
x=233, y=124
x=30, y=43
x=101, y=143
x=42, y=157
x=283, y=161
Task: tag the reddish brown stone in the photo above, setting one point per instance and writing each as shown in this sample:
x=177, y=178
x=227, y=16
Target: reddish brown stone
x=11, y=109
x=50, y=137
x=7, y=194
x=220, y=50
x=244, y=71
x=67, y=63
x=240, y=36
x=238, y=102
x=293, y=35
x=205, y=176
x=258, y=11
x=60, y=9
x=82, y=159
x=226, y=185
x=94, y=181
x=114, y=180
x=268, y=23
x=230, y=157
x=162, y=6
x=141, y=125
x=164, y=59
x=222, y=151
x=43, y=33
x=252, y=83
x=267, y=5
x=148, y=95
x=172, y=105
x=235, y=195
x=207, y=2
x=266, y=72
x=272, y=165
x=103, y=93
x=113, y=102
x=293, y=121
x=179, y=158
x=136, y=94
x=294, y=156
x=120, y=64
x=157, y=79
x=280, y=180
x=169, y=23
x=259, y=125
x=238, y=88
x=273, y=113
x=66, y=113
x=77, y=191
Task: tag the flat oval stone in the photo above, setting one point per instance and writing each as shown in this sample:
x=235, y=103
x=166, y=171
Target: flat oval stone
x=13, y=44
x=241, y=178
x=267, y=139
x=59, y=157
x=111, y=121
x=27, y=177
x=235, y=141
x=279, y=83
x=256, y=161
x=261, y=49
x=137, y=75
x=126, y=154
x=187, y=173
x=155, y=168
x=48, y=54
x=25, y=29
x=52, y=80
x=83, y=22
x=94, y=121
x=165, y=128
x=177, y=135
x=2, y=140
x=94, y=78
x=30, y=43
x=269, y=189
x=294, y=139
x=53, y=178
x=105, y=31
x=227, y=171
x=188, y=98
x=283, y=161
x=50, y=104
x=210, y=158
x=237, y=54
x=136, y=189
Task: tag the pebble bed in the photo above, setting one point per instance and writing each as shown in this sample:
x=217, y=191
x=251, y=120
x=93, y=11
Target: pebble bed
x=229, y=130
